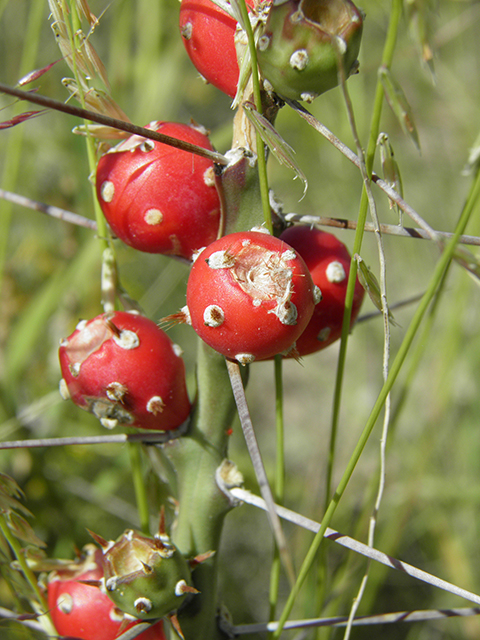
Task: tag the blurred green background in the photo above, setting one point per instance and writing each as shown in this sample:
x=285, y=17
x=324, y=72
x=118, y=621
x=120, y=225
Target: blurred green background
x=50, y=279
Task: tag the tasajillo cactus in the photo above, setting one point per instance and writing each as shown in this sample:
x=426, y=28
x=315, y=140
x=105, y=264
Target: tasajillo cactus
x=250, y=296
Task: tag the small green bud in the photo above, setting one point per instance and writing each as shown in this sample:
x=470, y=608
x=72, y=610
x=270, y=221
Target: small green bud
x=298, y=51
x=146, y=577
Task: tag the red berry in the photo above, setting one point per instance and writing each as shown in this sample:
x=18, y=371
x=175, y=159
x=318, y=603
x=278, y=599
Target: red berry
x=250, y=296
x=83, y=611
x=208, y=34
x=157, y=198
x=329, y=263
x=124, y=369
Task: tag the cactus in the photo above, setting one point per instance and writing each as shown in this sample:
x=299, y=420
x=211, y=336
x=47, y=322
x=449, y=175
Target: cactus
x=303, y=41
x=181, y=456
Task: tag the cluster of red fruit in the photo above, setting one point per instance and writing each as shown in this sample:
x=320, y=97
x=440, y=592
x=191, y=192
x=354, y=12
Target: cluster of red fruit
x=299, y=43
x=79, y=609
x=108, y=590
x=250, y=295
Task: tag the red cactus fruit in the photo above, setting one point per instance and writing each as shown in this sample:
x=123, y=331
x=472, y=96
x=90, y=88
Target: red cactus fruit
x=124, y=369
x=208, y=34
x=82, y=610
x=328, y=261
x=157, y=198
x=250, y=296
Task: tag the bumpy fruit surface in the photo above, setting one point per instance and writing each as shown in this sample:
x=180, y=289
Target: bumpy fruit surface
x=157, y=198
x=250, y=296
x=328, y=261
x=125, y=370
x=81, y=610
x=208, y=34
x=297, y=53
x=146, y=577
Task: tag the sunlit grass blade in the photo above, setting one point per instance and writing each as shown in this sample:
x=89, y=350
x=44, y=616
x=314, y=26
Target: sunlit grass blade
x=362, y=621
x=357, y=546
x=257, y=462
x=49, y=210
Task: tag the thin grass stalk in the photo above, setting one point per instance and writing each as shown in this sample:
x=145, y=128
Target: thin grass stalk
x=358, y=547
x=91, y=153
x=385, y=229
x=128, y=127
x=279, y=480
x=49, y=210
x=257, y=462
x=135, y=454
x=386, y=341
x=363, y=621
x=257, y=95
x=108, y=254
x=354, y=159
x=397, y=364
x=387, y=60
x=315, y=221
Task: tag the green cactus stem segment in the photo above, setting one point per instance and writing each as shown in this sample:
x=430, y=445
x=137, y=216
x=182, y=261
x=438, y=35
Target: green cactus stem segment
x=196, y=459
x=239, y=186
x=297, y=53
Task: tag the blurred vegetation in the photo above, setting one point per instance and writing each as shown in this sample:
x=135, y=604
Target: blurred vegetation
x=50, y=279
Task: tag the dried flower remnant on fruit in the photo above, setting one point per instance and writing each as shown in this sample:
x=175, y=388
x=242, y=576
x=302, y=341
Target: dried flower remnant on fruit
x=107, y=191
x=335, y=272
x=245, y=358
x=155, y=405
x=213, y=315
x=146, y=577
x=153, y=216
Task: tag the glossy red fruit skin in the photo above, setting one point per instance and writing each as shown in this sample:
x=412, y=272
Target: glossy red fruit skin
x=251, y=324
x=82, y=611
x=118, y=384
x=159, y=199
x=208, y=34
x=319, y=249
